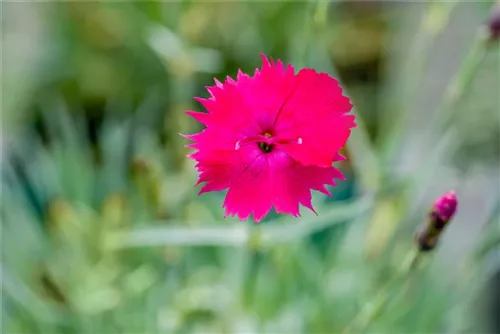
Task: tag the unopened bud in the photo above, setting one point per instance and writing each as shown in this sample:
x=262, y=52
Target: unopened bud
x=441, y=213
x=493, y=23
x=446, y=206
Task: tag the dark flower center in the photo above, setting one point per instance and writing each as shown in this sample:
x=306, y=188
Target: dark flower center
x=266, y=148
x=266, y=142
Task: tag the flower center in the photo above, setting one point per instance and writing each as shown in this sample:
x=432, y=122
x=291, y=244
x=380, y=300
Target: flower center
x=265, y=146
x=266, y=142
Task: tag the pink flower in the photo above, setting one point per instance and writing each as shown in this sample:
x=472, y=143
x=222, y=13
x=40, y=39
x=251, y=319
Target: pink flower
x=270, y=138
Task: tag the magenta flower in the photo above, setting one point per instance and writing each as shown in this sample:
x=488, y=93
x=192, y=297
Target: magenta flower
x=271, y=138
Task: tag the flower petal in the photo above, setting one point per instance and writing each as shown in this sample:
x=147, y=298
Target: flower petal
x=315, y=113
x=291, y=182
x=218, y=161
x=249, y=192
x=227, y=111
x=276, y=180
x=267, y=90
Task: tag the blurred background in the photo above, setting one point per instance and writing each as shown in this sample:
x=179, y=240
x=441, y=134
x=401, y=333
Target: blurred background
x=102, y=230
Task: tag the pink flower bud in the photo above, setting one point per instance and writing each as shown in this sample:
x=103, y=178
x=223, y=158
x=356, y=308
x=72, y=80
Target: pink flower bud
x=441, y=213
x=446, y=206
x=493, y=23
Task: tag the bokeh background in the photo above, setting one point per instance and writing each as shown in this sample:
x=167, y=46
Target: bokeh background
x=102, y=230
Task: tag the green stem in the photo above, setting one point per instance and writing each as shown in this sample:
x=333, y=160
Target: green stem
x=459, y=84
x=374, y=307
x=446, y=143
x=431, y=25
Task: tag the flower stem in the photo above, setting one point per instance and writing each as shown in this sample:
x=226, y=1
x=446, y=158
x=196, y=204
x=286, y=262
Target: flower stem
x=375, y=306
x=432, y=23
x=458, y=86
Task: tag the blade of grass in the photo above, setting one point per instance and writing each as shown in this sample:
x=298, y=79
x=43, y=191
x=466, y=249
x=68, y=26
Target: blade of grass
x=263, y=236
x=28, y=300
x=432, y=23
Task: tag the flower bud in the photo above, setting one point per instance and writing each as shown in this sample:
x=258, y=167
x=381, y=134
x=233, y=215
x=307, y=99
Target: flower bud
x=441, y=213
x=493, y=23
x=446, y=206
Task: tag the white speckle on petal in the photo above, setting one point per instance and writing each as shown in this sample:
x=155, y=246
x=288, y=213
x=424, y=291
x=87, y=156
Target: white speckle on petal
x=299, y=141
x=237, y=146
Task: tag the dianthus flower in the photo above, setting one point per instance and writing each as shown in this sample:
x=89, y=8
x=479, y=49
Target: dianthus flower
x=271, y=138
